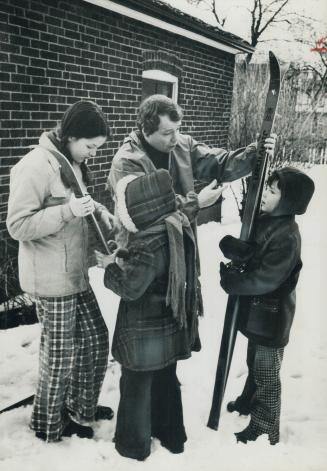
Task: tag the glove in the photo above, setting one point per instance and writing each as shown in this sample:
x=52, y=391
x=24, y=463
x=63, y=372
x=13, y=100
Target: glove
x=237, y=250
x=124, y=254
x=229, y=276
x=223, y=269
x=118, y=251
x=81, y=207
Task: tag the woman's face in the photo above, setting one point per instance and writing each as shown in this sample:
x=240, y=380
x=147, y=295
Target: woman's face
x=84, y=148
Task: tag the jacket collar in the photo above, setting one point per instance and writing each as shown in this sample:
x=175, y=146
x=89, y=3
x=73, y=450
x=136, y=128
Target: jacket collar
x=47, y=144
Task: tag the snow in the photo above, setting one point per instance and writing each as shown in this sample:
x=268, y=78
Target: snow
x=304, y=378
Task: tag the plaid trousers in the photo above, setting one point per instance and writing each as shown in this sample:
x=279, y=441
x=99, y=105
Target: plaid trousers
x=73, y=359
x=262, y=390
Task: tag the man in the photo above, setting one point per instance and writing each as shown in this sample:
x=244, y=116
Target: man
x=158, y=144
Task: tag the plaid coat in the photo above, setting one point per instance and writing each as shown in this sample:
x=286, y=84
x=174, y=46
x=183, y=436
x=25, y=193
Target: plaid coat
x=146, y=336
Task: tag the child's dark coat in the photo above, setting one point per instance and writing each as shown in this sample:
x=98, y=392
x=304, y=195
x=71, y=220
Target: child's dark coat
x=267, y=286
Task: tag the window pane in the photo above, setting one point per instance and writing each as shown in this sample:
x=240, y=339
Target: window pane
x=151, y=87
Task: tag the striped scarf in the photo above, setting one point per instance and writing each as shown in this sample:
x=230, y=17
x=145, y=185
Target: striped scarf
x=182, y=289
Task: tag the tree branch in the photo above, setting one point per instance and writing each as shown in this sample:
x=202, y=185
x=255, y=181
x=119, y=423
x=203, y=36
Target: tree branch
x=271, y=19
x=221, y=21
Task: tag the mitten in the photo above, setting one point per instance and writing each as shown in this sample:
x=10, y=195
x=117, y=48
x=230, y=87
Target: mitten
x=236, y=250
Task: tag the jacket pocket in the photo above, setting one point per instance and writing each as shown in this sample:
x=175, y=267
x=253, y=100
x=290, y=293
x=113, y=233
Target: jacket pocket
x=58, y=193
x=263, y=317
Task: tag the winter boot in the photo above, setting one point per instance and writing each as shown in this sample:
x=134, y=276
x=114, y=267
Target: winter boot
x=82, y=431
x=250, y=435
x=104, y=413
x=238, y=406
x=247, y=435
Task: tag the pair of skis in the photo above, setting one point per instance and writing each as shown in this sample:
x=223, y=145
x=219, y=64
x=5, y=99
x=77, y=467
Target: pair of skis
x=251, y=210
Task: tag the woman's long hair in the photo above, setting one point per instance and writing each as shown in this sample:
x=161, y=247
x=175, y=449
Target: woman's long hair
x=83, y=119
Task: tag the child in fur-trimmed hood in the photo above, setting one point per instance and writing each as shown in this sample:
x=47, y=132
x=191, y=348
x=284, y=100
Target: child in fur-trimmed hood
x=155, y=274
x=267, y=296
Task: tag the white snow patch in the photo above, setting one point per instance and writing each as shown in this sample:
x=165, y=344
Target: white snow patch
x=304, y=377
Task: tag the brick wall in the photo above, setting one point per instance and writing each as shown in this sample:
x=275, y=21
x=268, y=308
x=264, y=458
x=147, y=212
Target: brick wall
x=54, y=53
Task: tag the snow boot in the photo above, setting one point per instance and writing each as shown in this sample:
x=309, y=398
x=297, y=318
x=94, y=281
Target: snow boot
x=238, y=406
x=246, y=435
x=250, y=435
x=72, y=428
x=82, y=431
x=103, y=413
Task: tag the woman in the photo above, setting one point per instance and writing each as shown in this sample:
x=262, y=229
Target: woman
x=49, y=222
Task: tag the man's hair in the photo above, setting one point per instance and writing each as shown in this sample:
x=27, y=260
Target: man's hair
x=152, y=108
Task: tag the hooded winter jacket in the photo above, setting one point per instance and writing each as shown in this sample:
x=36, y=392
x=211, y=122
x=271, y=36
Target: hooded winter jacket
x=267, y=286
x=52, y=241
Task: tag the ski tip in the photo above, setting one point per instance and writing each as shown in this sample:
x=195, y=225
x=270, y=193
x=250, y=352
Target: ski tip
x=272, y=58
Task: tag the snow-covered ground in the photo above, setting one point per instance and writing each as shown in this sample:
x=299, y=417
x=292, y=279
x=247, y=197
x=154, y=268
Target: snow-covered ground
x=304, y=378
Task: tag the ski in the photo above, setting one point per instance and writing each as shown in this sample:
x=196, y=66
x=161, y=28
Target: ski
x=251, y=210
x=18, y=403
x=71, y=177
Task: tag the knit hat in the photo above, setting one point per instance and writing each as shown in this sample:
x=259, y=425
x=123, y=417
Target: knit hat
x=296, y=190
x=142, y=200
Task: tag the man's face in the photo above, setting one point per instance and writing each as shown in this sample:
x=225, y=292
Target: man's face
x=165, y=138
x=270, y=198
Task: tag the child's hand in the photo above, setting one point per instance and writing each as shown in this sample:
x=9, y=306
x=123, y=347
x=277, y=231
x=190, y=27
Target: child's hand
x=236, y=249
x=223, y=269
x=104, y=260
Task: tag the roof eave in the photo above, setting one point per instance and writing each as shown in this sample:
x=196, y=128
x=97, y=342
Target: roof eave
x=181, y=25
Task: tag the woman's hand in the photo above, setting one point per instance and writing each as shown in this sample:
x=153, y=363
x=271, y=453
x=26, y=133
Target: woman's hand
x=210, y=194
x=81, y=207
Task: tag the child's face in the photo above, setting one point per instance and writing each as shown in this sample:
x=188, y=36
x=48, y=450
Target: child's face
x=270, y=198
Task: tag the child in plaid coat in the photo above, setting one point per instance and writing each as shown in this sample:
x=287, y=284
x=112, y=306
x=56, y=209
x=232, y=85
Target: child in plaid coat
x=267, y=296
x=157, y=318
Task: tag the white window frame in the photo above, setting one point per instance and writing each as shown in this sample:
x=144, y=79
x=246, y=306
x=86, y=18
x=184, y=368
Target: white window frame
x=161, y=76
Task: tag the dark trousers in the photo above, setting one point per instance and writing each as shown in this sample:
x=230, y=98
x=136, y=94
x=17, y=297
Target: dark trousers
x=150, y=405
x=262, y=390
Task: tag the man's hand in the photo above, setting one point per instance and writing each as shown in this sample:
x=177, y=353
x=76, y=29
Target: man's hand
x=270, y=144
x=210, y=194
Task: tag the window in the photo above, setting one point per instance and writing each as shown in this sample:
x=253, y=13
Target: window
x=157, y=81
